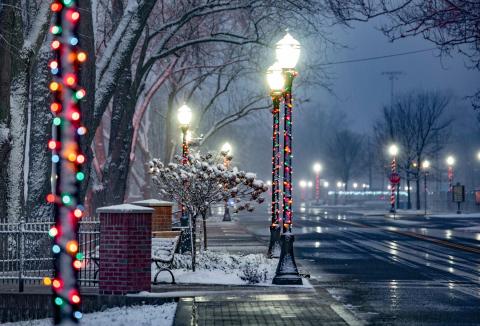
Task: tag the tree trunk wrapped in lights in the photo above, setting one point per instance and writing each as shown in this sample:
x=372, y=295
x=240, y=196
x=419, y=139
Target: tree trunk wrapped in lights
x=67, y=160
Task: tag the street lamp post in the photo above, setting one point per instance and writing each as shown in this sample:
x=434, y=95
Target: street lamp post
x=309, y=186
x=227, y=149
x=303, y=185
x=184, y=117
x=317, y=168
x=339, y=186
x=450, y=162
x=288, y=53
x=425, y=167
x=393, y=151
x=276, y=81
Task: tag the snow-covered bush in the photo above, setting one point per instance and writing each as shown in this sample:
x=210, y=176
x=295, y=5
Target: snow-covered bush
x=252, y=268
x=253, y=273
x=204, y=180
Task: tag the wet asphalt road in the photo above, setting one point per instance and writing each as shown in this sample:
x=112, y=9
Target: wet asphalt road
x=387, y=278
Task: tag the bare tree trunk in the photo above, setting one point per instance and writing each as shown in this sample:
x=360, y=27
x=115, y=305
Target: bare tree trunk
x=409, y=202
x=417, y=193
x=19, y=97
x=168, y=147
x=193, y=223
x=7, y=24
x=87, y=80
x=204, y=220
x=115, y=170
x=40, y=163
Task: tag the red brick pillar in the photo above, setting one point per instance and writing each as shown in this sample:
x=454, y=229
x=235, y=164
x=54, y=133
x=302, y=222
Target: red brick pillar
x=125, y=249
x=162, y=215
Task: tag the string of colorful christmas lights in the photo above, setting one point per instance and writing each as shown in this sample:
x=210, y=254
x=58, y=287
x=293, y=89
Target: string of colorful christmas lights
x=184, y=145
x=67, y=160
x=393, y=186
x=287, y=151
x=275, y=209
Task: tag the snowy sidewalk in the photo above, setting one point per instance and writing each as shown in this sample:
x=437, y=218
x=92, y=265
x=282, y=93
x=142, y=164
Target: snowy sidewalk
x=251, y=305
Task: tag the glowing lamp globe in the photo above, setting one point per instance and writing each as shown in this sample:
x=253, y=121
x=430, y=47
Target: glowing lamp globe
x=309, y=184
x=287, y=51
x=303, y=184
x=275, y=78
x=227, y=148
x=326, y=184
x=339, y=184
x=317, y=167
x=450, y=160
x=184, y=115
x=478, y=155
x=393, y=150
x=425, y=164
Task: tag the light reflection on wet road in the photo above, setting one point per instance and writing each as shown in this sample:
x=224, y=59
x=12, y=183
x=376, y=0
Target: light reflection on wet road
x=388, y=278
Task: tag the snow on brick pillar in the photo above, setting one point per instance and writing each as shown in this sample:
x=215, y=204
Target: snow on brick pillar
x=162, y=215
x=125, y=249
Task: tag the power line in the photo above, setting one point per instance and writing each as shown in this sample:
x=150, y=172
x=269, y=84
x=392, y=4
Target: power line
x=375, y=58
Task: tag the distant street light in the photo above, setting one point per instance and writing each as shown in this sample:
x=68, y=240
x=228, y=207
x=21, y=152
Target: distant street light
x=326, y=184
x=355, y=185
x=288, y=53
x=276, y=81
x=425, y=168
x=394, y=177
x=317, y=168
x=478, y=155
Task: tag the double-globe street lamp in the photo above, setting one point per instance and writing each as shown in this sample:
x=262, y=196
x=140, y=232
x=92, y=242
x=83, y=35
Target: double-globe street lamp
x=287, y=53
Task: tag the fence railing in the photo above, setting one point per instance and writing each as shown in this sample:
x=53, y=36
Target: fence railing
x=26, y=258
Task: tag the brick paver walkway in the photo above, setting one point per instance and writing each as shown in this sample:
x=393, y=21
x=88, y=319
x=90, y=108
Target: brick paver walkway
x=264, y=306
x=296, y=309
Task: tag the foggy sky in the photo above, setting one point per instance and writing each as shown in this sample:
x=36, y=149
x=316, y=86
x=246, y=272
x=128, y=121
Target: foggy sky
x=361, y=89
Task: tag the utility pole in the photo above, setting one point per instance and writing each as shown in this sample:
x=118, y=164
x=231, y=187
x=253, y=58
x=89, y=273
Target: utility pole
x=392, y=76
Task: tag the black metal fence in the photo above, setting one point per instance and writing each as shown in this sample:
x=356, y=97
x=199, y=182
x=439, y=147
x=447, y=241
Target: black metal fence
x=25, y=253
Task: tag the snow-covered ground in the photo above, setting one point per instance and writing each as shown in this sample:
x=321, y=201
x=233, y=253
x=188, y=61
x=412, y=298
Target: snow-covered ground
x=162, y=315
x=472, y=229
x=453, y=215
x=221, y=268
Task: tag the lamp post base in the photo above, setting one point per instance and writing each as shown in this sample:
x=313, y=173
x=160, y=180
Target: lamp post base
x=287, y=271
x=274, y=247
x=226, y=215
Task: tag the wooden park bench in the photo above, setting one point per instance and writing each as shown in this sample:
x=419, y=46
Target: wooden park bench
x=164, y=246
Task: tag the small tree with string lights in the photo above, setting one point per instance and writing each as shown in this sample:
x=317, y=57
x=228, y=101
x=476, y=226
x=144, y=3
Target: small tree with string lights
x=204, y=181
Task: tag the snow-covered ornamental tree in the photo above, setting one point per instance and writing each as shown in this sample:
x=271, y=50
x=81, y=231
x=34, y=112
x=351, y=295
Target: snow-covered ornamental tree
x=203, y=181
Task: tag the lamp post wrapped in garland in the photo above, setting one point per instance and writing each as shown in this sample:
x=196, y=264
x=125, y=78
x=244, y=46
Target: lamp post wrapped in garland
x=67, y=160
x=288, y=53
x=276, y=81
x=184, y=117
